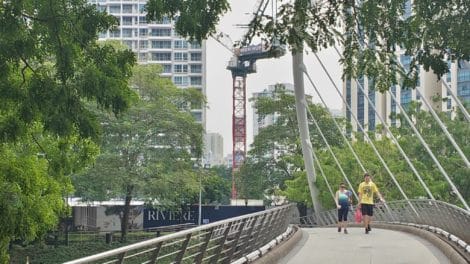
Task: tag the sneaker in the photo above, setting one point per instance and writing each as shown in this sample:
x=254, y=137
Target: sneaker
x=339, y=229
x=345, y=231
x=368, y=228
x=367, y=231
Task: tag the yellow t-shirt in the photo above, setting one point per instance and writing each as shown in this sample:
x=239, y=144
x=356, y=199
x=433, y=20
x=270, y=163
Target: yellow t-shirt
x=367, y=190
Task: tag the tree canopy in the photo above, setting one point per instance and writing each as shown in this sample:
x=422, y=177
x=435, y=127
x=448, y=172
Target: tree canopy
x=50, y=67
x=147, y=152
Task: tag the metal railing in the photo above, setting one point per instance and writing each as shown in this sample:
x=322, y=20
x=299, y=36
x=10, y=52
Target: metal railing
x=219, y=242
x=448, y=217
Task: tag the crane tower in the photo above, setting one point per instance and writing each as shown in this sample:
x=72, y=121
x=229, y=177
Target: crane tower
x=243, y=63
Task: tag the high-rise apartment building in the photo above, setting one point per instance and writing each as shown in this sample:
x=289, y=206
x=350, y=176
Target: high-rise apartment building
x=157, y=42
x=213, y=149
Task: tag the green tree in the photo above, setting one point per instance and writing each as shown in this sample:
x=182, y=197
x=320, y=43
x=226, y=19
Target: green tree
x=50, y=66
x=147, y=151
x=34, y=181
x=441, y=148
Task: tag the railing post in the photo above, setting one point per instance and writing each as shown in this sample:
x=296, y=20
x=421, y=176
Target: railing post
x=263, y=229
x=179, y=257
x=155, y=253
x=203, y=247
x=235, y=241
x=121, y=258
x=221, y=243
x=246, y=239
x=256, y=233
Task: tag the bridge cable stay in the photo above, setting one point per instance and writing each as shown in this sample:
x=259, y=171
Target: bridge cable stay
x=456, y=99
x=346, y=140
x=394, y=139
x=443, y=127
x=438, y=164
x=329, y=148
x=423, y=142
x=433, y=113
x=392, y=176
x=337, y=126
x=347, y=179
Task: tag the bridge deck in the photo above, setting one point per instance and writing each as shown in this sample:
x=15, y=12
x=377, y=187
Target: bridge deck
x=326, y=245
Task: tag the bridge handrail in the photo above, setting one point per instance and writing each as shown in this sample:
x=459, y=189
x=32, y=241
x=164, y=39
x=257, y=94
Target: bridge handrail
x=225, y=240
x=448, y=217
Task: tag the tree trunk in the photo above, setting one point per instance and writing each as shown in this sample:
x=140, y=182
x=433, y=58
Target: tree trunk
x=125, y=215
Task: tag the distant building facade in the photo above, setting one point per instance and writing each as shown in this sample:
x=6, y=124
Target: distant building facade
x=213, y=149
x=157, y=42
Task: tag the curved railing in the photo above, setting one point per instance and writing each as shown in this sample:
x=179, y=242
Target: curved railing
x=219, y=242
x=447, y=217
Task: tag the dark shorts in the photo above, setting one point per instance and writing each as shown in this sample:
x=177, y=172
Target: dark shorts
x=367, y=209
x=343, y=213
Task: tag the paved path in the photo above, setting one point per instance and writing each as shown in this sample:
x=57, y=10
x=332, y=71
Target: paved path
x=381, y=246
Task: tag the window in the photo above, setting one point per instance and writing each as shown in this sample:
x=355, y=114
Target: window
x=143, y=56
x=161, y=56
x=197, y=116
x=196, y=68
x=180, y=68
x=142, y=20
x=127, y=21
x=196, y=56
x=405, y=98
x=196, y=80
x=180, y=80
x=143, y=32
x=127, y=8
x=161, y=44
x=181, y=44
x=126, y=32
x=195, y=45
x=115, y=33
x=166, y=68
x=161, y=32
x=360, y=101
x=114, y=9
x=181, y=56
x=143, y=44
x=141, y=8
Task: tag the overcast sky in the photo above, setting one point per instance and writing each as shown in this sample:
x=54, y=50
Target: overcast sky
x=269, y=71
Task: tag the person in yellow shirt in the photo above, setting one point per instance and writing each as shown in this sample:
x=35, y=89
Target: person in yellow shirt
x=366, y=192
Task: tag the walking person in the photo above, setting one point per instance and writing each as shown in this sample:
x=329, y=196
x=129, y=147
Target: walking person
x=366, y=192
x=343, y=200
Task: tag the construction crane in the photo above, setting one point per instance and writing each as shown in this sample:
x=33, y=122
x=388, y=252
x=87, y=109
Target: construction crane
x=242, y=63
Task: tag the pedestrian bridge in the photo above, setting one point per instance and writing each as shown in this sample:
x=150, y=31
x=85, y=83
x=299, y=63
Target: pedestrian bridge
x=412, y=231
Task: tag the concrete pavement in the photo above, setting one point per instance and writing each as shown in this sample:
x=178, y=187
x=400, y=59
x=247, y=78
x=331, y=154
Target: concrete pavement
x=326, y=245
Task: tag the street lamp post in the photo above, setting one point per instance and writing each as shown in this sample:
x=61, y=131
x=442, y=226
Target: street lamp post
x=200, y=201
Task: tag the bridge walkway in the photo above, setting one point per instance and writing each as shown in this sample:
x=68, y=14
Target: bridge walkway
x=326, y=245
